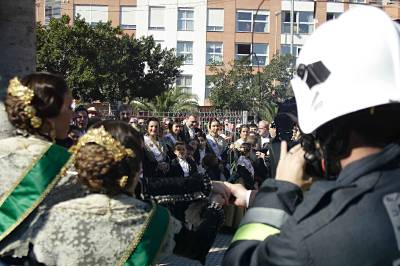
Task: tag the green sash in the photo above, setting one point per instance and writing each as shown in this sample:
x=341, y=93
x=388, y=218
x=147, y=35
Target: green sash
x=144, y=249
x=31, y=188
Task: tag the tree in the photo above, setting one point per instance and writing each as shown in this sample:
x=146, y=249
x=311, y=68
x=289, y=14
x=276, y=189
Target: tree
x=174, y=100
x=275, y=79
x=238, y=87
x=102, y=63
x=232, y=87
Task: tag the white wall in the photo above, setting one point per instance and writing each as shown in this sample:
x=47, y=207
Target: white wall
x=334, y=7
x=170, y=35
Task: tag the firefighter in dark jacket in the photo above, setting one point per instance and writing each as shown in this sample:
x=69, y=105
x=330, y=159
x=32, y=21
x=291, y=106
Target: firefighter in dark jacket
x=347, y=89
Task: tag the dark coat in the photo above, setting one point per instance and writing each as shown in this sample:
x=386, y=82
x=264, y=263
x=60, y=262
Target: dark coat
x=349, y=221
x=184, y=134
x=175, y=168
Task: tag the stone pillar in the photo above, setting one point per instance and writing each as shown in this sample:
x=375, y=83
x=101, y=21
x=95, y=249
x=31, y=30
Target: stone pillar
x=17, y=48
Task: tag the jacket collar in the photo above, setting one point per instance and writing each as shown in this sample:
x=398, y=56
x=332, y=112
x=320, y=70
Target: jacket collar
x=368, y=164
x=349, y=178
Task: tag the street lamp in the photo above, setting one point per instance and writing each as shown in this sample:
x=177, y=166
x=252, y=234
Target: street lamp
x=291, y=26
x=277, y=14
x=252, y=49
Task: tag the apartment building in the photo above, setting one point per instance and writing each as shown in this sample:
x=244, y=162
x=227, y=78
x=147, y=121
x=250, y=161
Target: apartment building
x=213, y=31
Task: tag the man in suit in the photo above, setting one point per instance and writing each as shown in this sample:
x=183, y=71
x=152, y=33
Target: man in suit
x=263, y=132
x=190, y=129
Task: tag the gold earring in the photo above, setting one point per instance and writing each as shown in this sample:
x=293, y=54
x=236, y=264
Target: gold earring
x=123, y=181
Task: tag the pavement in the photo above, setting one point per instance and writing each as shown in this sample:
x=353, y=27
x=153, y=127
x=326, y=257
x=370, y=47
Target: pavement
x=214, y=257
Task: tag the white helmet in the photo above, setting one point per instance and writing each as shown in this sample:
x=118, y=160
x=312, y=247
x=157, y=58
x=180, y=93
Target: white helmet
x=348, y=64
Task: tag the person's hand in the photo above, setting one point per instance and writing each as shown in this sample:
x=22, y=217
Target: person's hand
x=260, y=155
x=219, y=199
x=291, y=166
x=232, y=146
x=222, y=189
x=239, y=192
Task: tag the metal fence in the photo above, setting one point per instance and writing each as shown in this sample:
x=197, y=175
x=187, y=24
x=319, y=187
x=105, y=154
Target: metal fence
x=231, y=119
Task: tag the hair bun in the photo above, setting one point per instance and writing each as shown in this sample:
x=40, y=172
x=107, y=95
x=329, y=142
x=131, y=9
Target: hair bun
x=94, y=164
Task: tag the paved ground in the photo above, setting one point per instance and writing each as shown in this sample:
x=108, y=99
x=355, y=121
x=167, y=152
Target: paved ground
x=213, y=258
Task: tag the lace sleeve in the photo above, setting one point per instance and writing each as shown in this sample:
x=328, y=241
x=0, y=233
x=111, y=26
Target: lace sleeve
x=168, y=245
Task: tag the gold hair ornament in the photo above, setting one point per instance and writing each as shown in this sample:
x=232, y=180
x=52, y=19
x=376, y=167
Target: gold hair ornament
x=101, y=137
x=16, y=89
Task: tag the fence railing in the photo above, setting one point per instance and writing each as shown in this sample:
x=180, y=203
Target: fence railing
x=231, y=119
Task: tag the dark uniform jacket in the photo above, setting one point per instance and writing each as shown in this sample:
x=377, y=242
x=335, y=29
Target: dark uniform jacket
x=354, y=220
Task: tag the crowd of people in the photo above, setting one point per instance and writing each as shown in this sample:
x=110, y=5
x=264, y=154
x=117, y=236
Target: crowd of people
x=99, y=202
x=168, y=141
x=111, y=166
x=79, y=190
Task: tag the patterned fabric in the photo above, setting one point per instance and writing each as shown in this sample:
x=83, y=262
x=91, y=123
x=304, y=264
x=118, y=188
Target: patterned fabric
x=169, y=139
x=93, y=230
x=246, y=163
x=218, y=145
x=156, y=148
x=17, y=154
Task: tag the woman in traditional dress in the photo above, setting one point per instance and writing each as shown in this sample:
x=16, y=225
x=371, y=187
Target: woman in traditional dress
x=243, y=134
x=109, y=226
x=156, y=162
x=245, y=167
x=173, y=135
x=31, y=164
x=218, y=146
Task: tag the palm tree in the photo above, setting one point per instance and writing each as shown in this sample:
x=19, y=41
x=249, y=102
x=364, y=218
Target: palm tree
x=173, y=100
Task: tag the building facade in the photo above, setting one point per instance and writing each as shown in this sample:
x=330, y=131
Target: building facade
x=213, y=31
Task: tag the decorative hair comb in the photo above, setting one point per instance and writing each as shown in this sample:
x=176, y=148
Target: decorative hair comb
x=101, y=137
x=25, y=94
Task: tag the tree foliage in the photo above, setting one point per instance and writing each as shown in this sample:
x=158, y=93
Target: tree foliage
x=239, y=87
x=232, y=87
x=102, y=63
x=174, y=100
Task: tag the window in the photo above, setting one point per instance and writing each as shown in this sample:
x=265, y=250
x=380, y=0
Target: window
x=246, y=18
x=186, y=19
x=185, y=49
x=92, y=14
x=215, y=19
x=52, y=10
x=357, y=1
x=303, y=22
x=184, y=82
x=128, y=17
x=214, y=53
x=285, y=49
x=156, y=18
x=259, y=56
x=331, y=15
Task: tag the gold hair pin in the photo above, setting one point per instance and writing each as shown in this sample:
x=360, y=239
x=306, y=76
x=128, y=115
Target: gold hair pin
x=101, y=137
x=16, y=89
